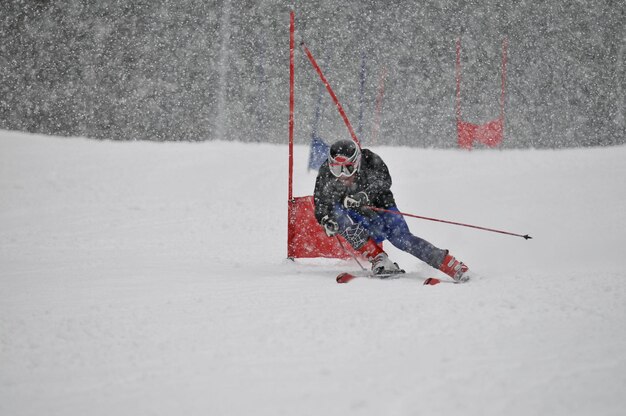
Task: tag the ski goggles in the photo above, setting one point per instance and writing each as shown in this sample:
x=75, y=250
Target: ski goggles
x=342, y=166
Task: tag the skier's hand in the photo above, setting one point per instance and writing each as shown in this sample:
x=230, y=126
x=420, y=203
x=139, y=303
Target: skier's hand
x=330, y=226
x=357, y=200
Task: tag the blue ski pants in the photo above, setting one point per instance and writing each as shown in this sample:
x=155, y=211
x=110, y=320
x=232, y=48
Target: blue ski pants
x=392, y=227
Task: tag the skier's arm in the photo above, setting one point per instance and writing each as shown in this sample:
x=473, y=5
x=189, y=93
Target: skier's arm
x=379, y=179
x=322, y=195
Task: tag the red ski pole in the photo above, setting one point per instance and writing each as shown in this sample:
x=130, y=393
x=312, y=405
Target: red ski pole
x=527, y=237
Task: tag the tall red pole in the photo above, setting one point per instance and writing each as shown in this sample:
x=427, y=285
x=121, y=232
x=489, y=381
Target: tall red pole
x=291, y=98
x=290, y=200
x=505, y=45
x=379, y=106
x=458, y=80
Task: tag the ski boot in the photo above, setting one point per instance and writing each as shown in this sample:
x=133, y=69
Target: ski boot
x=458, y=271
x=381, y=265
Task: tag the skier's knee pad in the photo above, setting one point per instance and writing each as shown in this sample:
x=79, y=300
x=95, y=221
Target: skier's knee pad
x=356, y=235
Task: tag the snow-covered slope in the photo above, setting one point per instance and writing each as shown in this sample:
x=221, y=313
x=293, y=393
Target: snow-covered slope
x=149, y=278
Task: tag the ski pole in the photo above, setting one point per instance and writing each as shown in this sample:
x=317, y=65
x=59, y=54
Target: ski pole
x=526, y=237
x=351, y=254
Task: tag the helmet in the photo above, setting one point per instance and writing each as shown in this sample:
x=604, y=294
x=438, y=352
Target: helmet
x=344, y=158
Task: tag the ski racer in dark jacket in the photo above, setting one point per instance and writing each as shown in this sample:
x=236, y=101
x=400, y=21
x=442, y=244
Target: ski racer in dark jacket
x=350, y=181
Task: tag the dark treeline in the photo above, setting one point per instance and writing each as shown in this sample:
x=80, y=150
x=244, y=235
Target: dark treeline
x=218, y=69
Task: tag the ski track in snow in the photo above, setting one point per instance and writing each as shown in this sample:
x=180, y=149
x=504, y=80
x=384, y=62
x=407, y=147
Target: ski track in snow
x=149, y=278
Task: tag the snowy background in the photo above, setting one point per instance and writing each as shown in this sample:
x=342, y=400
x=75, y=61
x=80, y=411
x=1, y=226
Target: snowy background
x=145, y=278
x=205, y=69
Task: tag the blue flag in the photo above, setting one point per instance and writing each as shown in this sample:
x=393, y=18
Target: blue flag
x=319, y=152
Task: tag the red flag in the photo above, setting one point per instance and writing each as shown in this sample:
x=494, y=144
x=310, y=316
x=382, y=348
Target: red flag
x=307, y=238
x=489, y=134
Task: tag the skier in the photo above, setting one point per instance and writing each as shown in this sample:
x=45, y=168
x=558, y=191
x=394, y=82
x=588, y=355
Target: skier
x=350, y=181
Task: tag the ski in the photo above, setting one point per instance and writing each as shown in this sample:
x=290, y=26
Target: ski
x=346, y=277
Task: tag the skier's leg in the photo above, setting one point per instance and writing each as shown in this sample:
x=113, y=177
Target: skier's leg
x=365, y=237
x=399, y=235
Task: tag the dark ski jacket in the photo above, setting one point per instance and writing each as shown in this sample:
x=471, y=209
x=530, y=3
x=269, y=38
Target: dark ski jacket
x=372, y=178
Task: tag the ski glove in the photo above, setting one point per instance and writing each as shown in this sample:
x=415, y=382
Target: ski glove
x=330, y=226
x=357, y=200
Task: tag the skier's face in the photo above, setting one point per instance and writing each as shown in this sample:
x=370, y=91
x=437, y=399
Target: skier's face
x=344, y=167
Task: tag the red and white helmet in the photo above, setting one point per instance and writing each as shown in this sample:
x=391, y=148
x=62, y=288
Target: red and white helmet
x=344, y=158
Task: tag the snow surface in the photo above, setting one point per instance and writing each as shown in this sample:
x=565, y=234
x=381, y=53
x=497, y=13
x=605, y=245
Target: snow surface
x=150, y=278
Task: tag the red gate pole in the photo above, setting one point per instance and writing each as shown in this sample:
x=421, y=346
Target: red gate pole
x=505, y=46
x=379, y=106
x=332, y=94
x=290, y=200
x=458, y=80
x=291, y=98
